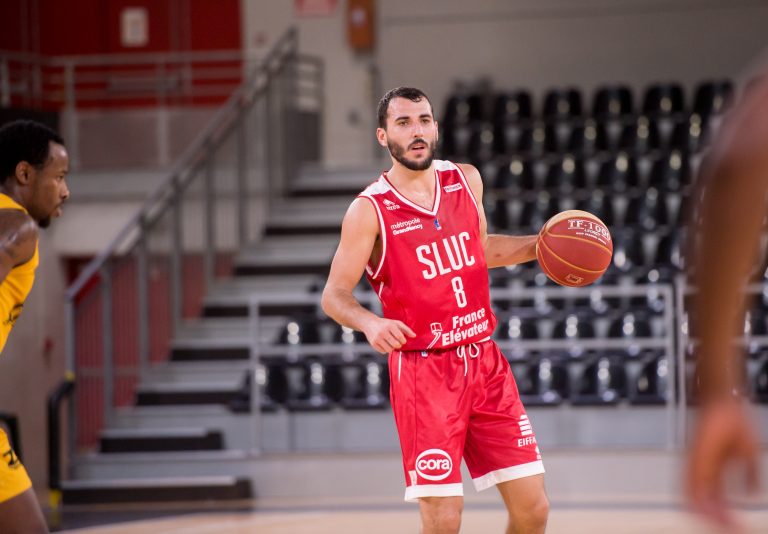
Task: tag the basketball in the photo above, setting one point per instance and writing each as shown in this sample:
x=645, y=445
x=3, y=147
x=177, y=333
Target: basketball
x=574, y=248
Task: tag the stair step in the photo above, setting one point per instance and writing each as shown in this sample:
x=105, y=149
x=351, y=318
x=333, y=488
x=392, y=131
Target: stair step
x=160, y=440
x=302, y=229
x=209, y=353
x=171, y=393
x=156, y=490
x=316, y=268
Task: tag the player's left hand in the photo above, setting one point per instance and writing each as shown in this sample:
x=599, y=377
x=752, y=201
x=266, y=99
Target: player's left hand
x=724, y=438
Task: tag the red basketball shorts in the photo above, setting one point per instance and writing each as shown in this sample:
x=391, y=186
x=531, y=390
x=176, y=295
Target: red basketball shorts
x=459, y=403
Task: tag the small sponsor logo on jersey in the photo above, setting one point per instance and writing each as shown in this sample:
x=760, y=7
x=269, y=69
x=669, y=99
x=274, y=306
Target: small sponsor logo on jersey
x=406, y=226
x=525, y=426
x=437, y=224
x=530, y=440
x=391, y=205
x=451, y=188
x=13, y=315
x=11, y=458
x=434, y=464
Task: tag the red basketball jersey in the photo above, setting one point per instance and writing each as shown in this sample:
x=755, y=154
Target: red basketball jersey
x=432, y=274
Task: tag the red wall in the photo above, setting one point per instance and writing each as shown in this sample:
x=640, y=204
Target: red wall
x=64, y=27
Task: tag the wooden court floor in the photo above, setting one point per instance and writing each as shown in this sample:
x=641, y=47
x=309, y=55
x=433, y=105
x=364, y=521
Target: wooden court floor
x=478, y=519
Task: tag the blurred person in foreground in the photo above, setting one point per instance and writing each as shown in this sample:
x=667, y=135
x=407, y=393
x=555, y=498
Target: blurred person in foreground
x=733, y=209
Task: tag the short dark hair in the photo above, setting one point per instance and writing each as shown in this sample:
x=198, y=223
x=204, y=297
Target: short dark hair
x=25, y=140
x=411, y=93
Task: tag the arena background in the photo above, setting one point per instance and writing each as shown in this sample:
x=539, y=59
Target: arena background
x=126, y=129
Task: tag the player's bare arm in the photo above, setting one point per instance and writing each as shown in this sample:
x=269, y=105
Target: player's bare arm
x=359, y=233
x=500, y=250
x=18, y=238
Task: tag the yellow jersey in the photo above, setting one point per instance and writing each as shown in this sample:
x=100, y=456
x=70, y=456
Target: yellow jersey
x=17, y=285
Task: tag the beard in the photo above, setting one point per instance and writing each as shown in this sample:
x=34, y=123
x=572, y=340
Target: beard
x=44, y=223
x=398, y=152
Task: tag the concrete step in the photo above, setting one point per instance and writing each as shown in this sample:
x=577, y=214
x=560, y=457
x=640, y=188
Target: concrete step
x=156, y=489
x=120, y=440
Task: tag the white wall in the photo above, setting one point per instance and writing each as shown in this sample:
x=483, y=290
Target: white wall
x=537, y=44
x=349, y=126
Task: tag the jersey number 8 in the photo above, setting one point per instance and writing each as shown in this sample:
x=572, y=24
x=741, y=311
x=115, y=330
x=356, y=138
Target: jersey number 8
x=458, y=289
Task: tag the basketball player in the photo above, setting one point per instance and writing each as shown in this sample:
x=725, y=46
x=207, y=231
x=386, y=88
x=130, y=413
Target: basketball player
x=419, y=235
x=732, y=221
x=34, y=164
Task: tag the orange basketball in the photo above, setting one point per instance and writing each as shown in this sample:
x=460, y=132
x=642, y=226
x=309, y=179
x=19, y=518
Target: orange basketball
x=574, y=248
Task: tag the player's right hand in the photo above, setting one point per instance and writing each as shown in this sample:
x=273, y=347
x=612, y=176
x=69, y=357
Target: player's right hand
x=386, y=335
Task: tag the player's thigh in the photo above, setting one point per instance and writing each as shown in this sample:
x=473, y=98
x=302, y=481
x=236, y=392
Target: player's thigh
x=22, y=515
x=523, y=494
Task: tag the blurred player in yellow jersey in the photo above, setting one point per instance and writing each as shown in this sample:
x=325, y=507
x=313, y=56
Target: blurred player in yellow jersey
x=33, y=169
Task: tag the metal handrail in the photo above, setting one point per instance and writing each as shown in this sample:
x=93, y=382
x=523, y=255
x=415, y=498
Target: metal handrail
x=254, y=119
x=667, y=341
x=191, y=157
x=124, y=59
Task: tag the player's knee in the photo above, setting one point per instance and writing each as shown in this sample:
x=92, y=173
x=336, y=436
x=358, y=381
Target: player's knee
x=441, y=516
x=444, y=522
x=532, y=517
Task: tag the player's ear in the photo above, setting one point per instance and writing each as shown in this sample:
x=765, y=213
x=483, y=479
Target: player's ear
x=381, y=136
x=23, y=172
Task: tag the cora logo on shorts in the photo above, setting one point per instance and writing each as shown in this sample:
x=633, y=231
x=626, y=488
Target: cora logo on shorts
x=434, y=464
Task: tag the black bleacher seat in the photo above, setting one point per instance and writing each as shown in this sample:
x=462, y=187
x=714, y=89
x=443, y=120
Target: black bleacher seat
x=515, y=106
x=630, y=326
x=760, y=383
x=460, y=110
x=562, y=104
x=647, y=211
x=618, y=173
x=557, y=136
x=670, y=172
x=307, y=387
x=652, y=299
x=639, y=137
x=690, y=135
x=613, y=101
x=713, y=97
x=481, y=142
x=347, y=336
x=517, y=328
x=516, y=174
x=628, y=250
x=671, y=250
x=565, y=176
x=573, y=328
x=583, y=139
x=299, y=331
x=537, y=211
x=456, y=141
x=500, y=217
x=600, y=205
x=663, y=99
x=360, y=383
x=608, y=134
x=549, y=381
x=602, y=383
x=651, y=384
x=513, y=138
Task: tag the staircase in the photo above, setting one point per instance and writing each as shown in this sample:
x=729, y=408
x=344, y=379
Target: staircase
x=190, y=434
